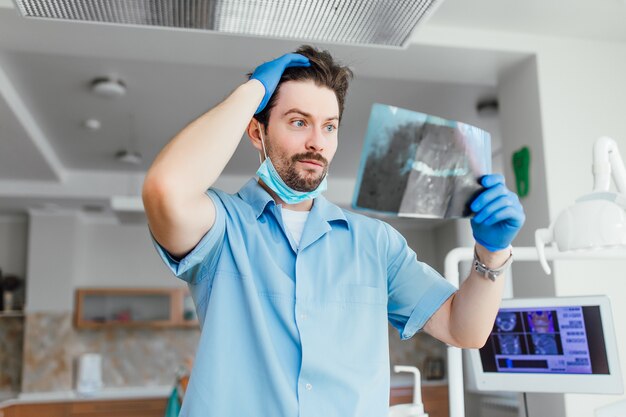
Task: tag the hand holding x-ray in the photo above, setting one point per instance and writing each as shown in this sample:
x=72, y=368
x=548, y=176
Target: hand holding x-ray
x=499, y=214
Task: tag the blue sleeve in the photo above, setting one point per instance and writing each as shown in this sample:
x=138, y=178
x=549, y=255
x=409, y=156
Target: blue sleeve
x=416, y=291
x=200, y=262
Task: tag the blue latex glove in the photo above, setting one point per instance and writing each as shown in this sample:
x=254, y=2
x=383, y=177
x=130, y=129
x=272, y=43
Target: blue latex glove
x=269, y=73
x=499, y=214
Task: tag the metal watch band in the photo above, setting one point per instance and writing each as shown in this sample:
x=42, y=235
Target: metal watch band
x=487, y=272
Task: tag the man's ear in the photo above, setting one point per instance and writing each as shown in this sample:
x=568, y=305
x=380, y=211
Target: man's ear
x=253, y=133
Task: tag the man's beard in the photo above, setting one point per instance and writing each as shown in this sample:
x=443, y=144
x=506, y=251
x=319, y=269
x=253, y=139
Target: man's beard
x=286, y=168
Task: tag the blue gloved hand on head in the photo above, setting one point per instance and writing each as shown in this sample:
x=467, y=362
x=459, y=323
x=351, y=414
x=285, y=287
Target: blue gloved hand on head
x=269, y=73
x=499, y=214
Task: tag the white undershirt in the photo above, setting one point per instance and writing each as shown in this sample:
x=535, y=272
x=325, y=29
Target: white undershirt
x=294, y=223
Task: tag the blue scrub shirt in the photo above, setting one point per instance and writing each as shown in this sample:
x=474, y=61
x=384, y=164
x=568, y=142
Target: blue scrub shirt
x=299, y=331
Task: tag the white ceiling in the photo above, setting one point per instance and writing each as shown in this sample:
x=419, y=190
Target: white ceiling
x=598, y=19
x=175, y=75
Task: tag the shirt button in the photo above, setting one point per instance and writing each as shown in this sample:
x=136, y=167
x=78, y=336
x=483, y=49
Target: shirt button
x=303, y=316
x=308, y=387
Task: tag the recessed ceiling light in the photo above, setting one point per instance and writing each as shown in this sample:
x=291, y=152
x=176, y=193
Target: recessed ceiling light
x=92, y=124
x=108, y=87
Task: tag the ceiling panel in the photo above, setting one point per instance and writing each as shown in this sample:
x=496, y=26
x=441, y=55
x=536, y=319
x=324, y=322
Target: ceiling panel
x=163, y=98
x=19, y=156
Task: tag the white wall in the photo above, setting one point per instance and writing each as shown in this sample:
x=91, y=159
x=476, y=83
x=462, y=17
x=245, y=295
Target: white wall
x=521, y=125
x=68, y=250
x=13, y=238
x=115, y=255
x=584, y=97
x=51, y=259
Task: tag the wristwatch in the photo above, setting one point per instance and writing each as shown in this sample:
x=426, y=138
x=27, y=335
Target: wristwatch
x=487, y=272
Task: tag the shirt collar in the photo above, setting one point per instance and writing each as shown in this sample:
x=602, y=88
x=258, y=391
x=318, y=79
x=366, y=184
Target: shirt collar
x=258, y=198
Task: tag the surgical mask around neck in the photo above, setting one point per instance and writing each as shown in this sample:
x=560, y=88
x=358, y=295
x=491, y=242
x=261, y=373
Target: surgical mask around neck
x=267, y=172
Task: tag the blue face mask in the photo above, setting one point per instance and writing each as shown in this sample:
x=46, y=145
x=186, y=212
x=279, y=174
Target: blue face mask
x=272, y=179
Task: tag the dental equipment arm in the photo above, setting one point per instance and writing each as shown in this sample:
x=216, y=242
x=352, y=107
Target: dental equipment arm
x=597, y=219
x=606, y=157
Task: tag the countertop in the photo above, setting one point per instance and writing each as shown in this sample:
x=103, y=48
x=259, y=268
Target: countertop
x=406, y=380
x=121, y=393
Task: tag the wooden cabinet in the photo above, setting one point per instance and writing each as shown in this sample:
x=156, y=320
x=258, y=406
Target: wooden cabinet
x=434, y=397
x=31, y=410
x=133, y=307
x=120, y=408
x=153, y=407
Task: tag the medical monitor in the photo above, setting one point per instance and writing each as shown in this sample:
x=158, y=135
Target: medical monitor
x=564, y=344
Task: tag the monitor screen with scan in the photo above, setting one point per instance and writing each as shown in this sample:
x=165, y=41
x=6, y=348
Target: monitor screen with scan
x=564, y=344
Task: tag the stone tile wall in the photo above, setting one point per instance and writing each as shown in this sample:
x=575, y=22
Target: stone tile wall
x=11, y=344
x=133, y=357
x=130, y=357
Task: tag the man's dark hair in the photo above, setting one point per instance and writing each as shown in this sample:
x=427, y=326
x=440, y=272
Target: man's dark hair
x=324, y=72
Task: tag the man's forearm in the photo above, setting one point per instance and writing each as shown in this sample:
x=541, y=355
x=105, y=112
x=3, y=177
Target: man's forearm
x=193, y=160
x=476, y=304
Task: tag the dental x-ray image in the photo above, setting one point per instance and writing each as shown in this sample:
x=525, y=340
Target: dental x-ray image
x=417, y=165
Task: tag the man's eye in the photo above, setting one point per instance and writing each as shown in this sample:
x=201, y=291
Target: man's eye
x=330, y=128
x=298, y=123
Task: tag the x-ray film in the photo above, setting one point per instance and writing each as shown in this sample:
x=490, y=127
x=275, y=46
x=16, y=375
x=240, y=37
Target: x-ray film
x=417, y=165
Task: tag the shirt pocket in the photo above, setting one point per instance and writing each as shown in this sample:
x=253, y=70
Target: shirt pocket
x=361, y=294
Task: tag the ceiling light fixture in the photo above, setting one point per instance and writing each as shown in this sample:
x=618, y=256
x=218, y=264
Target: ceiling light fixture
x=108, y=87
x=92, y=124
x=130, y=155
x=369, y=22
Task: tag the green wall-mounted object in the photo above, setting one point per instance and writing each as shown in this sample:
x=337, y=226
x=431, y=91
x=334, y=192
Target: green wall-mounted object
x=521, y=166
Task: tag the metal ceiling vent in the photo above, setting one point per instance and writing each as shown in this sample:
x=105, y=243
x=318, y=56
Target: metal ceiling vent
x=373, y=22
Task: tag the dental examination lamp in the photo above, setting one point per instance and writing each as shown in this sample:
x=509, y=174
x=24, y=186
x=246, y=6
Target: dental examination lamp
x=596, y=220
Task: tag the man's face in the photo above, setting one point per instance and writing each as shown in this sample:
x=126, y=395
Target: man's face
x=302, y=136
